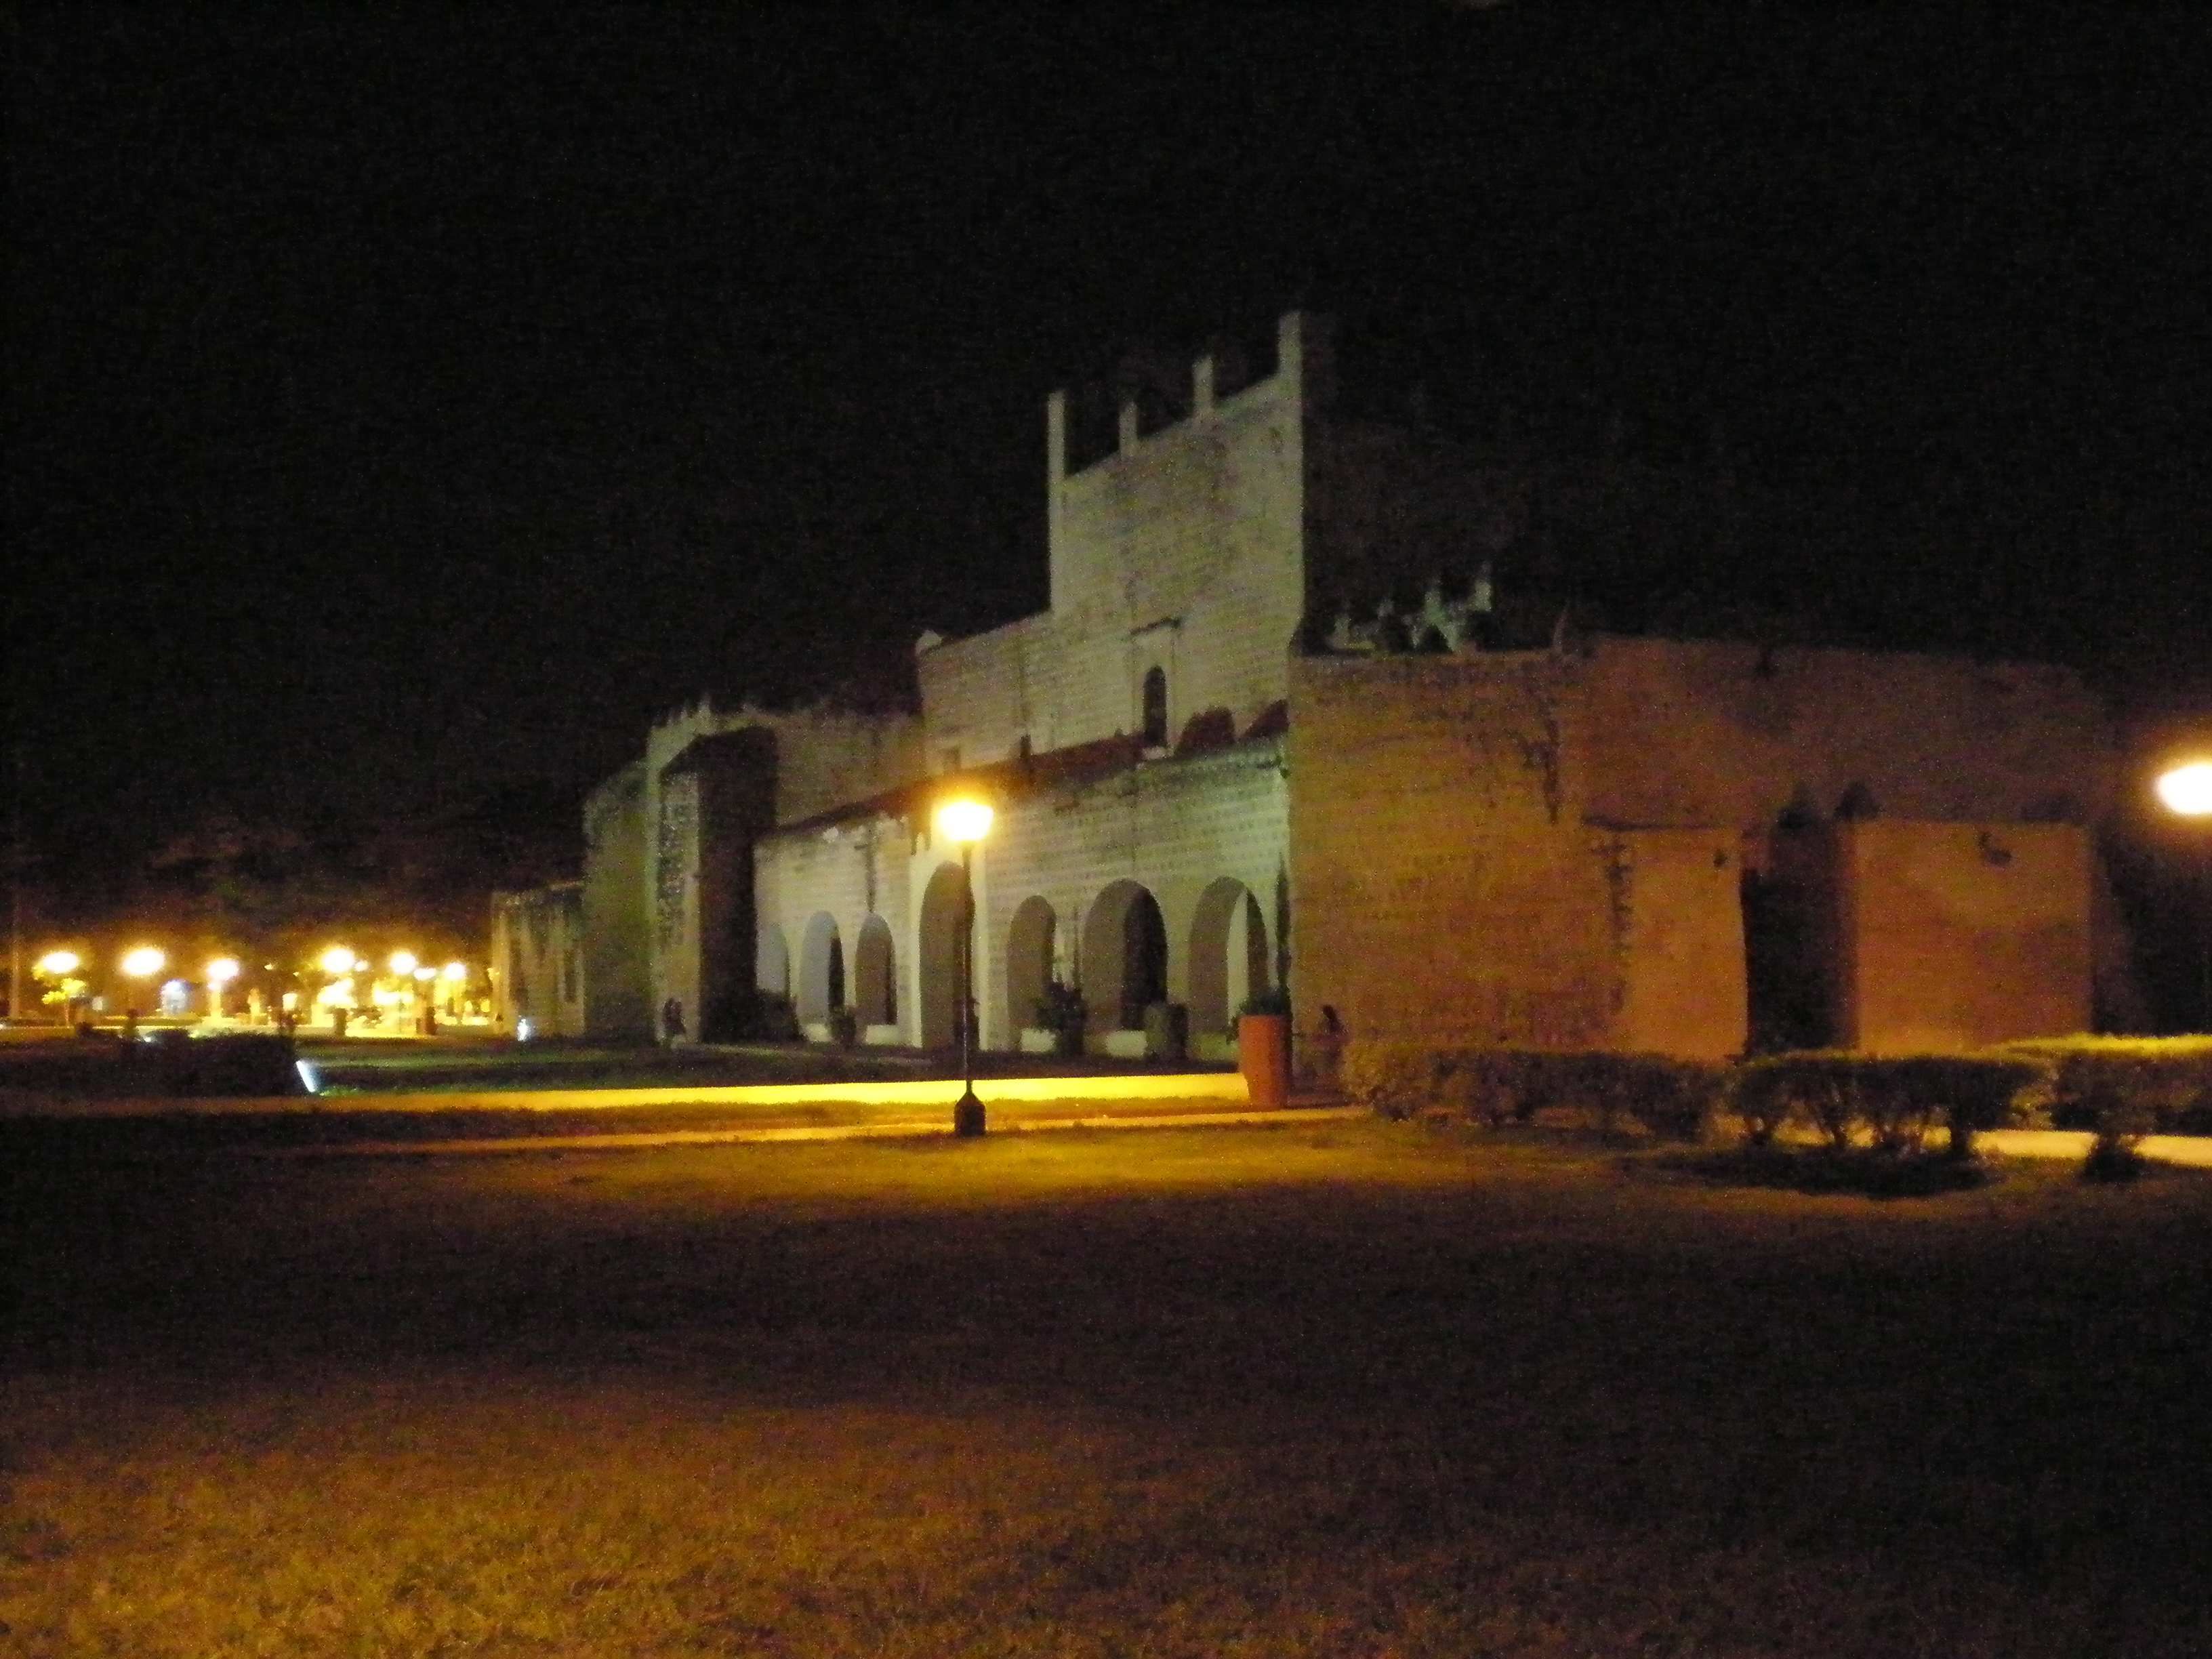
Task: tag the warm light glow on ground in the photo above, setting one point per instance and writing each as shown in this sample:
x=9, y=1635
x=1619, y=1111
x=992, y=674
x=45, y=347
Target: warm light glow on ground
x=2188, y=789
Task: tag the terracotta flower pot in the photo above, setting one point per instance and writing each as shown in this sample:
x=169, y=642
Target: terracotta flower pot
x=1263, y=1054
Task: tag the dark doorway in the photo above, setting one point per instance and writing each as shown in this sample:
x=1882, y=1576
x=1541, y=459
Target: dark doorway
x=1784, y=970
x=1144, y=961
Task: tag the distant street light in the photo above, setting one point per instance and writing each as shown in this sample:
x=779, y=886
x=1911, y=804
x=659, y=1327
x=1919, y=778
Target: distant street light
x=143, y=962
x=2187, y=792
x=338, y=960
x=967, y=822
x=219, y=972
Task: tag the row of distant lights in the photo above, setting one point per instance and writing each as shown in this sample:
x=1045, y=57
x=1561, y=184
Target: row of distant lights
x=403, y=964
x=146, y=961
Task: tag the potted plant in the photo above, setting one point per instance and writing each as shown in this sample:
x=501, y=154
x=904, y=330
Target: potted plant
x=1263, y=1046
x=1063, y=1011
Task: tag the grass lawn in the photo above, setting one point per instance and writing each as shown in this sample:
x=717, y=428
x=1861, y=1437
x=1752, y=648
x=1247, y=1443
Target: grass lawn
x=1371, y=1391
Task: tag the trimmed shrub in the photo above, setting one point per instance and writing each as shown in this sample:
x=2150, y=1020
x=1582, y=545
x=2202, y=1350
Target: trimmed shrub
x=1391, y=1080
x=1891, y=1102
x=1672, y=1098
x=2167, y=1080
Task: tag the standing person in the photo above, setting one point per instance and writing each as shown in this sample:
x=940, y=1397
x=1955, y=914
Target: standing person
x=672, y=1022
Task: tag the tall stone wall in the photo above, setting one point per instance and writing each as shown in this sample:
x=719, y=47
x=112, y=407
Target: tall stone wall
x=1548, y=848
x=1444, y=883
x=618, y=943
x=1182, y=551
x=1961, y=934
x=1678, y=941
x=1703, y=732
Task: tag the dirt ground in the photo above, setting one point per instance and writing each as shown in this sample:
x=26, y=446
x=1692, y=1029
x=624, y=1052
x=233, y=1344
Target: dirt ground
x=1360, y=1389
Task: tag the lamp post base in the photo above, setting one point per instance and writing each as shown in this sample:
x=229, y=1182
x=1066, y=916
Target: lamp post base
x=968, y=1116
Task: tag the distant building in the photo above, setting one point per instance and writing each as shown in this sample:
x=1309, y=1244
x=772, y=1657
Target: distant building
x=538, y=960
x=1300, y=712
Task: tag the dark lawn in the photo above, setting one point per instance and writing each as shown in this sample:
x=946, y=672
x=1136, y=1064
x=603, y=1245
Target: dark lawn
x=1366, y=1391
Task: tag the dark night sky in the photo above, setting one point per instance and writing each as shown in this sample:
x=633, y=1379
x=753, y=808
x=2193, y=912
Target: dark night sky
x=406, y=404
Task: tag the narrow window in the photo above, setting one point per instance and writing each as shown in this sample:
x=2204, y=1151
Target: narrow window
x=1156, y=708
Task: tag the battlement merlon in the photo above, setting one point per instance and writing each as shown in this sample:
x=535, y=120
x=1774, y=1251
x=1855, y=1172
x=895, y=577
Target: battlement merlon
x=1303, y=381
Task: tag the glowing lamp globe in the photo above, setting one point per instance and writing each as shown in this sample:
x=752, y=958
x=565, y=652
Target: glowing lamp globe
x=2187, y=790
x=221, y=971
x=964, y=821
x=58, y=964
x=402, y=963
x=143, y=962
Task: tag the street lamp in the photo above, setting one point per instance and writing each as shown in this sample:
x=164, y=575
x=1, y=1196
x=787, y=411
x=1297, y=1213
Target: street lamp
x=2187, y=792
x=966, y=822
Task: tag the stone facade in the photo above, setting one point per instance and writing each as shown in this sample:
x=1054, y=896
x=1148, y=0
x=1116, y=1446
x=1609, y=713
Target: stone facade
x=538, y=960
x=1485, y=826
x=1638, y=843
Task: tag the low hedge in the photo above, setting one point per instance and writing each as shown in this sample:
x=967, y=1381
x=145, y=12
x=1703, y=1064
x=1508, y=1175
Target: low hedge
x=2126, y=1085
x=1673, y=1099
x=1890, y=1102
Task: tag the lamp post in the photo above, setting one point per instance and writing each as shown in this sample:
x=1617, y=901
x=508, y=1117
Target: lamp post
x=2187, y=792
x=143, y=962
x=967, y=822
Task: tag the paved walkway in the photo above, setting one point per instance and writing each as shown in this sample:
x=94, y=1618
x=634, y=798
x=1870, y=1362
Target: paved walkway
x=2075, y=1144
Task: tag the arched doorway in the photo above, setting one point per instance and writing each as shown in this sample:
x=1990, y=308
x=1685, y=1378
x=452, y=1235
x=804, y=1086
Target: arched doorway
x=1125, y=956
x=821, y=970
x=944, y=909
x=772, y=961
x=1029, y=960
x=1228, y=955
x=875, y=986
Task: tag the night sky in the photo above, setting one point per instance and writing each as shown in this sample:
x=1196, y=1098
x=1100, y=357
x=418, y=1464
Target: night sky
x=407, y=405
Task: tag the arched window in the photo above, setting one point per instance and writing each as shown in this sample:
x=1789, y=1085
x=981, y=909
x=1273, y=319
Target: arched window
x=1156, y=708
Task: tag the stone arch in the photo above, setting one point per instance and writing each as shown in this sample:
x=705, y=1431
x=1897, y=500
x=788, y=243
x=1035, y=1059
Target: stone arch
x=772, y=961
x=1228, y=954
x=1029, y=940
x=1125, y=956
x=821, y=970
x=944, y=909
x=875, y=982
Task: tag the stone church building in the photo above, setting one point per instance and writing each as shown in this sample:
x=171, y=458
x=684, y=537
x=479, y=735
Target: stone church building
x=1231, y=756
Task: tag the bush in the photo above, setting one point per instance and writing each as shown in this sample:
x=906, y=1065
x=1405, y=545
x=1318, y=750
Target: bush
x=1271, y=999
x=1390, y=1080
x=1890, y=1102
x=2168, y=1080
x=767, y=1017
x=1674, y=1099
